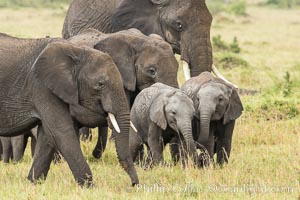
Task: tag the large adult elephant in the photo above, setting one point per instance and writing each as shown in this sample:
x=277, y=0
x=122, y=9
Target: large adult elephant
x=60, y=86
x=142, y=61
x=184, y=24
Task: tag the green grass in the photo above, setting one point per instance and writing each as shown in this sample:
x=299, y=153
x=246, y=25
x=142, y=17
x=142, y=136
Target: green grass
x=266, y=144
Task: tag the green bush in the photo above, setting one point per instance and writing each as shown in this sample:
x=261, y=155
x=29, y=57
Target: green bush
x=276, y=103
x=238, y=8
x=220, y=45
x=234, y=46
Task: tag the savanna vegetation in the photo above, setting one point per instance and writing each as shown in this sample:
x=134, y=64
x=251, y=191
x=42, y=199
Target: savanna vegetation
x=256, y=45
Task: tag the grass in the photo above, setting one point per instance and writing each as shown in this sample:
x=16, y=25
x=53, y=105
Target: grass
x=266, y=144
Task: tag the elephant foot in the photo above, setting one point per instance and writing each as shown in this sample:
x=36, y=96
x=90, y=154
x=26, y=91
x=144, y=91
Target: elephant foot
x=97, y=153
x=204, y=160
x=36, y=179
x=85, y=181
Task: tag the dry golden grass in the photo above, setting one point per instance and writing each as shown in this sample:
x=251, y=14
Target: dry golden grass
x=265, y=160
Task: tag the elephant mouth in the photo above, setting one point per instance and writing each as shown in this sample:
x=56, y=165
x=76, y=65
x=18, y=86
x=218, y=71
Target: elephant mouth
x=175, y=45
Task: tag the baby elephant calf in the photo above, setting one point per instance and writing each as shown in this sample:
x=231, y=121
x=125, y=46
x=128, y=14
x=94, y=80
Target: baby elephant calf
x=161, y=113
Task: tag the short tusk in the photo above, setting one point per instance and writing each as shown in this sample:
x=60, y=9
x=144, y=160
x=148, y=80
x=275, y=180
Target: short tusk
x=114, y=122
x=186, y=70
x=133, y=127
x=219, y=75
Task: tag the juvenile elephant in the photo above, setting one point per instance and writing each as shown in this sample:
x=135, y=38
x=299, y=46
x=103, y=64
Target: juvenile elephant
x=142, y=61
x=184, y=24
x=14, y=147
x=161, y=113
x=60, y=86
x=217, y=106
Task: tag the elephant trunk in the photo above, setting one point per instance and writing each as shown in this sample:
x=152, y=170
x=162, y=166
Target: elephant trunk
x=205, y=117
x=186, y=131
x=122, y=146
x=198, y=54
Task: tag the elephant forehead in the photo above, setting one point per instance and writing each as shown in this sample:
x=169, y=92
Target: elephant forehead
x=180, y=98
x=213, y=88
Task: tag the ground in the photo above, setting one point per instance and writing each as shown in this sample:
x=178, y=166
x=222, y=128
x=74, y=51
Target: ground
x=265, y=159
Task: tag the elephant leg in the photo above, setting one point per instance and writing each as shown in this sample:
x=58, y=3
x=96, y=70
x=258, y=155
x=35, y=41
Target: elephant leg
x=174, y=149
x=17, y=143
x=7, y=149
x=135, y=146
x=33, y=145
x=44, y=152
x=101, y=142
x=85, y=132
x=155, y=143
x=223, y=143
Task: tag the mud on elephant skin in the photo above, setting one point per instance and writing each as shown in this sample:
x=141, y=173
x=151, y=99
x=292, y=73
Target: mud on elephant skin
x=161, y=113
x=13, y=148
x=142, y=61
x=217, y=106
x=60, y=86
x=183, y=24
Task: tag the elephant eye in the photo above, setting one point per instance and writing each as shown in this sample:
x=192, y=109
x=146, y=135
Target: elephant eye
x=173, y=113
x=100, y=85
x=220, y=99
x=152, y=71
x=179, y=26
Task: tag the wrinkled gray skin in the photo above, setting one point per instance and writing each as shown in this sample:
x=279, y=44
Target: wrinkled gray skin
x=142, y=61
x=60, y=86
x=217, y=107
x=161, y=113
x=184, y=24
x=14, y=147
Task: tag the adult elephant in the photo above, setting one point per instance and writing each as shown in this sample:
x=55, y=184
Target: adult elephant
x=60, y=86
x=217, y=106
x=183, y=24
x=14, y=147
x=142, y=61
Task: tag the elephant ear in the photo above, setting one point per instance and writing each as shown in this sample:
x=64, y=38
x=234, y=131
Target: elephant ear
x=54, y=68
x=234, y=109
x=123, y=56
x=157, y=109
x=140, y=14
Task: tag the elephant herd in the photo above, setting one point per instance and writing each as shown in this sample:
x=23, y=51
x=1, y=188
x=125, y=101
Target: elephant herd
x=115, y=67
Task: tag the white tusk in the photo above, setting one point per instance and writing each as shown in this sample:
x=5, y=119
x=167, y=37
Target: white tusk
x=133, y=127
x=114, y=122
x=219, y=75
x=186, y=70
